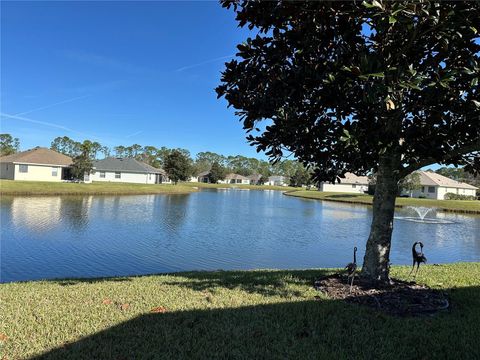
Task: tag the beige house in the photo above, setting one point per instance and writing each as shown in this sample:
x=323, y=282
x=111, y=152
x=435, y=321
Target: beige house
x=37, y=164
x=235, y=179
x=435, y=186
x=277, y=180
x=351, y=183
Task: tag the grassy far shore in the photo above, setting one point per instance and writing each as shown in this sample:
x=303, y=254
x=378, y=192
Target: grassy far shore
x=10, y=187
x=231, y=314
x=447, y=205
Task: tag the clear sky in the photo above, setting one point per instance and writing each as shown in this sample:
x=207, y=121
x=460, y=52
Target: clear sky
x=119, y=73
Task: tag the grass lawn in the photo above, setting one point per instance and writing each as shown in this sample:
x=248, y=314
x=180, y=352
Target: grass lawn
x=472, y=206
x=15, y=187
x=244, y=315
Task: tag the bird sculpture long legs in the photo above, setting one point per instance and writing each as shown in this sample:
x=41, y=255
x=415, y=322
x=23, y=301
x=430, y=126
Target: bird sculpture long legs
x=352, y=268
x=418, y=257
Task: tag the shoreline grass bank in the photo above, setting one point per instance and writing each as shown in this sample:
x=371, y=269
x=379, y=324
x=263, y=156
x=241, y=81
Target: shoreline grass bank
x=459, y=206
x=231, y=314
x=15, y=187
x=45, y=188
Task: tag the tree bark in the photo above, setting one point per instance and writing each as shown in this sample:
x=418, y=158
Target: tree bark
x=377, y=253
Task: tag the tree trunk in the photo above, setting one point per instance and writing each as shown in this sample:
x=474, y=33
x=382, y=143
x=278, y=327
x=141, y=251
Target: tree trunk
x=377, y=253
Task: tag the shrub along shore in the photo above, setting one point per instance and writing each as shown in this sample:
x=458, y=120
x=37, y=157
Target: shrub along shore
x=231, y=314
x=460, y=206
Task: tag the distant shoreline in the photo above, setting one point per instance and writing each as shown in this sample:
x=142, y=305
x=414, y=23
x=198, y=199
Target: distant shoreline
x=455, y=206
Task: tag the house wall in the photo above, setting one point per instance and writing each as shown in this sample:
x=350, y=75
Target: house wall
x=348, y=188
x=440, y=192
x=38, y=173
x=234, y=181
x=7, y=171
x=127, y=177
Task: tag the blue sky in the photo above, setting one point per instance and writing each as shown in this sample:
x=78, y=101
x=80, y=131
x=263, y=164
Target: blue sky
x=119, y=73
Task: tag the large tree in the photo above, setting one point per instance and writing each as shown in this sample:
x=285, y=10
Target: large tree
x=8, y=144
x=384, y=87
x=177, y=166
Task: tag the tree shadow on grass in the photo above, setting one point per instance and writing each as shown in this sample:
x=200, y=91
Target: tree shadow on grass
x=264, y=282
x=310, y=329
x=76, y=281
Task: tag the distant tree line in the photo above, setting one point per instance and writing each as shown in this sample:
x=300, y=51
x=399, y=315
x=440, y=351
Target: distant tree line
x=219, y=165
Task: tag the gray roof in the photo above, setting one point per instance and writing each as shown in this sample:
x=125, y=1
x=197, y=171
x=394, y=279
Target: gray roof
x=126, y=165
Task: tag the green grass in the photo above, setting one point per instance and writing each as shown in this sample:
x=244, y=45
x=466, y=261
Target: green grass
x=15, y=187
x=244, y=315
x=11, y=187
x=240, y=186
x=472, y=206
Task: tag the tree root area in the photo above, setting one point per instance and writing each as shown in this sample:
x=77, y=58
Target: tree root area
x=400, y=298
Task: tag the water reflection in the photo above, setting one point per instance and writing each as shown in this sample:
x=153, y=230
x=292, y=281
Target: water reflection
x=49, y=237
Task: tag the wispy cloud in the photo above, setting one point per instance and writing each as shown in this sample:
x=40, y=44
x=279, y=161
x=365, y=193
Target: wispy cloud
x=44, y=123
x=102, y=61
x=203, y=63
x=51, y=105
x=134, y=134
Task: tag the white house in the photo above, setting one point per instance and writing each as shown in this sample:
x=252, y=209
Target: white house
x=37, y=164
x=435, y=186
x=127, y=170
x=235, y=179
x=277, y=180
x=351, y=183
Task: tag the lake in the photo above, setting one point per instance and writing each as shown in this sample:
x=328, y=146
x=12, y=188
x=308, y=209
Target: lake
x=94, y=236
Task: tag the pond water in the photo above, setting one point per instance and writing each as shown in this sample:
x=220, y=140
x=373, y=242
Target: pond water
x=93, y=236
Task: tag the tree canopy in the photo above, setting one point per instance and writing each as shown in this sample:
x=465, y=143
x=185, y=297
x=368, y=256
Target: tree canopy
x=177, y=166
x=330, y=75
x=8, y=144
x=379, y=86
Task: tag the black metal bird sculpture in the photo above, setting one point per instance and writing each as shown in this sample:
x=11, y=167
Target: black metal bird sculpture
x=352, y=268
x=418, y=257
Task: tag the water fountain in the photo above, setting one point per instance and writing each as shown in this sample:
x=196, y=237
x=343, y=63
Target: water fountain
x=421, y=213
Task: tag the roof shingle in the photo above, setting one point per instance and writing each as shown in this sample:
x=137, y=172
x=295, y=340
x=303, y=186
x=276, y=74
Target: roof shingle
x=38, y=155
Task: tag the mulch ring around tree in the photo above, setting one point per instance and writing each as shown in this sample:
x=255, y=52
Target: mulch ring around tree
x=401, y=298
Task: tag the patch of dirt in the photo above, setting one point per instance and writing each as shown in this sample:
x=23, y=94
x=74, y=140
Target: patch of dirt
x=400, y=298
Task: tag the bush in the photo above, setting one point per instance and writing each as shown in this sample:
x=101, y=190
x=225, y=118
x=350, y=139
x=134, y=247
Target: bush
x=452, y=196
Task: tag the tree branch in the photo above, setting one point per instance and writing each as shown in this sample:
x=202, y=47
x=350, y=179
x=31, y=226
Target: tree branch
x=475, y=146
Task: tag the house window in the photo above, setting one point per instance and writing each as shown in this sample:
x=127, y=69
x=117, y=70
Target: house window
x=54, y=171
x=102, y=174
x=23, y=168
x=149, y=176
x=354, y=186
x=431, y=189
x=423, y=189
x=117, y=174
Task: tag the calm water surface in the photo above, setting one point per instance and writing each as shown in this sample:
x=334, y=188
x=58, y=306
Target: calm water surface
x=58, y=237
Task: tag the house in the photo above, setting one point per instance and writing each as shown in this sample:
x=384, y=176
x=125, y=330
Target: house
x=277, y=180
x=435, y=186
x=203, y=177
x=351, y=183
x=127, y=170
x=235, y=179
x=37, y=164
x=255, y=179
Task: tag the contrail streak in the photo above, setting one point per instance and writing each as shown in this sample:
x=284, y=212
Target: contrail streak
x=203, y=63
x=52, y=105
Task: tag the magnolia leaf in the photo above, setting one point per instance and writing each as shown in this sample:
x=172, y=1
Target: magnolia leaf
x=477, y=103
x=391, y=20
